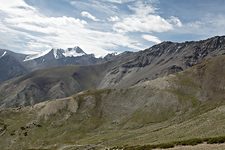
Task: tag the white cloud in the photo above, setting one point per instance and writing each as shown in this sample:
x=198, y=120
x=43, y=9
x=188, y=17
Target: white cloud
x=113, y=19
x=118, y=1
x=205, y=27
x=145, y=19
x=150, y=23
x=151, y=38
x=23, y=27
x=9, y=5
x=142, y=9
x=99, y=7
x=175, y=21
x=44, y=21
x=89, y=16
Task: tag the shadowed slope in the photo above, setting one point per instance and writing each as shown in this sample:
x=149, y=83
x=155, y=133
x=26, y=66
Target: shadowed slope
x=49, y=84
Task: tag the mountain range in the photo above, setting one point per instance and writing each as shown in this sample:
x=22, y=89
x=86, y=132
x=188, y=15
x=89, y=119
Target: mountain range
x=67, y=99
x=15, y=64
x=59, y=77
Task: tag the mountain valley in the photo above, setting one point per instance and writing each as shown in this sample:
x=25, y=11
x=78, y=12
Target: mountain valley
x=176, y=107
x=169, y=92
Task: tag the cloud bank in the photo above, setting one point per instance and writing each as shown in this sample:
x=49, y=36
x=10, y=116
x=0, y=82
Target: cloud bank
x=98, y=27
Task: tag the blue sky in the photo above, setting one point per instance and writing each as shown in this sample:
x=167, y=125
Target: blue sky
x=106, y=26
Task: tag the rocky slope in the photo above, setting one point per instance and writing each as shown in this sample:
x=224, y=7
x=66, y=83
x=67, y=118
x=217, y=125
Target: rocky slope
x=161, y=60
x=176, y=107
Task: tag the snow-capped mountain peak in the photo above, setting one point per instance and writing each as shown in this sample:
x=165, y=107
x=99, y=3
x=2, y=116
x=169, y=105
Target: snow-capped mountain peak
x=73, y=52
x=58, y=53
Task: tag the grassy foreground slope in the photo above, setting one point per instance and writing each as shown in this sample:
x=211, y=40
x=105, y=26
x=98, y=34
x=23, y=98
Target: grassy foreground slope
x=190, y=104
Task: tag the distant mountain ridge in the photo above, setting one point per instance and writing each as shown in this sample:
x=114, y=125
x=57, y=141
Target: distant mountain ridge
x=114, y=71
x=19, y=64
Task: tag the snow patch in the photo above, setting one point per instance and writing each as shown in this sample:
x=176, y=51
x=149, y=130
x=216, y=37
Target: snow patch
x=35, y=56
x=55, y=53
x=177, y=49
x=72, y=53
x=3, y=54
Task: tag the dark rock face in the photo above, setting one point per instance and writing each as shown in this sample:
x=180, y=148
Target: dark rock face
x=11, y=65
x=162, y=59
x=190, y=52
x=174, y=69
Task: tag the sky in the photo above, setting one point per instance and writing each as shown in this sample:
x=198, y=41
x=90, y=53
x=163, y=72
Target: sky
x=106, y=26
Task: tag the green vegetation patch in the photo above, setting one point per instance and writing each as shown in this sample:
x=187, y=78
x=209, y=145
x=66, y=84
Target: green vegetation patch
x=192, y=142
x=215, y=140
